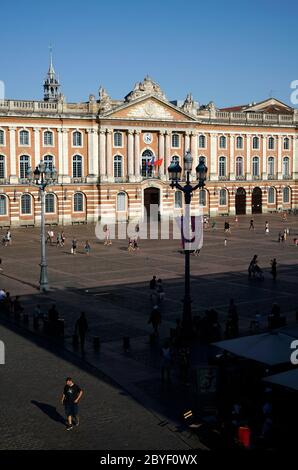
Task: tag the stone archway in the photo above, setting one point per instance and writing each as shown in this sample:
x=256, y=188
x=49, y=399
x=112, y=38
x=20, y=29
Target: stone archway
x=256, y=201
x=240, y=201
x=151, y=197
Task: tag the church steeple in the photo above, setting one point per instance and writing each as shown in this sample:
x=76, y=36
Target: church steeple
x=51, y=84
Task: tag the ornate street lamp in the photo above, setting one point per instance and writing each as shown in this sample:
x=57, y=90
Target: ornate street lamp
x=175, y=171
x=41, y=177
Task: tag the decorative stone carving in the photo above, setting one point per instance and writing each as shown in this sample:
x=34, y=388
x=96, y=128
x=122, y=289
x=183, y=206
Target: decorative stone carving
x=147, y=87
x=105, y=102
x=189, y=106
x=149, y=110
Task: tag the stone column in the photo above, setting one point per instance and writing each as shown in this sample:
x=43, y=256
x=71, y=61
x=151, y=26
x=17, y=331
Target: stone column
x=279, y=157
x=137, y=155
x=295, y=157
x=186, y=141
x=130, y=156
x=12, y=172
x=213, y=157
x=194, y=152
x=94, y=139
x=110, y=175
x=60, y=156
x=102, y=155
x=264, y=160
x=248, y=157
x=232, y=157
x=36, y=146
x=92, y=155
x=65, y=170
x=167, y=149
x=161, y=148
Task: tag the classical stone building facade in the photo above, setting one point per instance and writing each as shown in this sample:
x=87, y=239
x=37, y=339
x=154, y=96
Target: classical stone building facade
x=112, y=155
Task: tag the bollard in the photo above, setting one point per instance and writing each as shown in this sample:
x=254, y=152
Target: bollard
x=96, y=343
x=126, y=343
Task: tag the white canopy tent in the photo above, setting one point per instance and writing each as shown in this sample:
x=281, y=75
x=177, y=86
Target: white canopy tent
x=287, y=379
x=271, y=348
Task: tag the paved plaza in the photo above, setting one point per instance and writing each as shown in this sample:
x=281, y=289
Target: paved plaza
x=111, y=286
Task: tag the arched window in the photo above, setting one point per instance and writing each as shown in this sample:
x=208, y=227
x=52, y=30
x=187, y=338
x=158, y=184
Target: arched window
x=239, y=166
x=78, y=202
x=175, y=141
x=49, y=161
x=1, y=137
x=239, y=142
x=26, y=204
x=3, y=205
x=121, y=201
x=255, y=166
x=48, y=138
x=77, y=166
x=178, y=200
x=286, y=143
x=255, y=143
x=50, y=203
x=222, y=166
x=77, y=139
x=118, y=166
x=147, y=163
x=271, y=196
x=223, y=197
x=286, y=167
x=202, y=141
x=271, y=143
x=202, y=197
x=2, y=166
x=286, y=194
x=270, y=166
x=222, y=142
x=117, y=139
x=24, y=138
x=24, y=165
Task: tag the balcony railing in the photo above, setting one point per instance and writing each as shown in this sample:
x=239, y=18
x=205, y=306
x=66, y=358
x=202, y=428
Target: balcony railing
x=223, y=178
x=272, y=176
x=287, y=177
x=81, y=179
x=240, y=177
x=4, y=181
x=120, y=179
x=256, y=177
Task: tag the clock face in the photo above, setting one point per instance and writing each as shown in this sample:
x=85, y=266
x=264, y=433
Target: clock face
x=148, y=138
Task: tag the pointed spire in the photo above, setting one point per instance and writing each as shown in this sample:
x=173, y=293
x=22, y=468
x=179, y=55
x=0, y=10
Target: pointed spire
x=51, y=67
x=51, y=84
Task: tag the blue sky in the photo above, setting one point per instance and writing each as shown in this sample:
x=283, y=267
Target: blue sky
x=230, y=52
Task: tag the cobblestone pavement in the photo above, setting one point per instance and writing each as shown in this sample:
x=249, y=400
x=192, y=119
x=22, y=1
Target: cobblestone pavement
x=31, y=416
x=111, y=285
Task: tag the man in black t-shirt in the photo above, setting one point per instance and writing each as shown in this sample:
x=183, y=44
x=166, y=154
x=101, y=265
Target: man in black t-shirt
x=70, y=399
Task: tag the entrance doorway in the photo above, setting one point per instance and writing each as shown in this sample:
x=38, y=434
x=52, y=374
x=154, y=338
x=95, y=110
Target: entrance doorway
x=151, y=197
x=256, y=201
x=240, y=201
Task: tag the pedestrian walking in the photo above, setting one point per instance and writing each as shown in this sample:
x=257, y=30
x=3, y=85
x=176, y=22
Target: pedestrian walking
x=62, y=238
x=8, y=237
x=155, y=319
x=274, y=268
x=58, y=240
x=266, y=227
x=107, y=236
x=225, y=242
x=166, y=362
x=213, y=226
x=81, y=329
x=152, y=283
x=251, y=224
x=160, y=290
x=87, y=248
x=73, y=249
x=252, y=266
x=71, y=396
